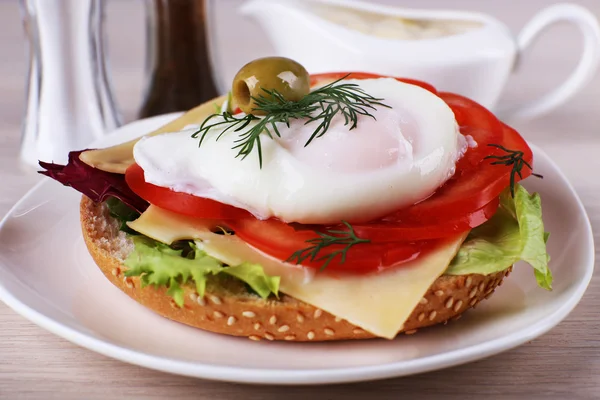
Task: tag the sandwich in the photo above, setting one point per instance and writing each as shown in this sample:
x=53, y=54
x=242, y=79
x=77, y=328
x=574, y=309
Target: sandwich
x=313, y=207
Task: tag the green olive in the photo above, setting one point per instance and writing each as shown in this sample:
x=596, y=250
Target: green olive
x=286, y=76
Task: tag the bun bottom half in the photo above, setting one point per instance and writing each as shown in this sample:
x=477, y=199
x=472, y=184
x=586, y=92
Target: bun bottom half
x=228, y=307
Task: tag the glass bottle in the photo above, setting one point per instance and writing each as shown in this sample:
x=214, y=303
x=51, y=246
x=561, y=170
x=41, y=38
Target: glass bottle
x=179, y=75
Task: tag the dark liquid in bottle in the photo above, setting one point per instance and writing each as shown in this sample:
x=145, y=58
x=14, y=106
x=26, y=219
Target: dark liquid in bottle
x=178, y=63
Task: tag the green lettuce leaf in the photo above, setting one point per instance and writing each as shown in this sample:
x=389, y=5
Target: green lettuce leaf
x=255, y=277
x=122, y=213
x=158, y=264
x=514, y=233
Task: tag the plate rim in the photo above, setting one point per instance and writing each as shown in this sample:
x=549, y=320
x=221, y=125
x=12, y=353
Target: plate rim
x=309, y=376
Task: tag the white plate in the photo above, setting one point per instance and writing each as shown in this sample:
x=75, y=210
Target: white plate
x=47, y=276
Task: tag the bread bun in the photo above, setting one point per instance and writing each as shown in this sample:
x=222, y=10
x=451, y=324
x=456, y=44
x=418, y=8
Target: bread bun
x=230, y=309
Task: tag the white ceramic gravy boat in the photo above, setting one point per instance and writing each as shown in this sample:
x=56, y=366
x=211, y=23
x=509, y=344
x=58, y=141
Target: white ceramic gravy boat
x=475, y=63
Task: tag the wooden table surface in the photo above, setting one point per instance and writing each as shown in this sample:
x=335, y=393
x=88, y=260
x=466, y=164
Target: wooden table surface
x=564, y=363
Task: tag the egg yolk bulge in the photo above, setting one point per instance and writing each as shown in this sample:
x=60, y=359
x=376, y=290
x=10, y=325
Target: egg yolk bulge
x=391, y=160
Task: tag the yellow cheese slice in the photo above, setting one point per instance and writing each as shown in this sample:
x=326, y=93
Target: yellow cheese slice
x=379, y=303
x=120, y=157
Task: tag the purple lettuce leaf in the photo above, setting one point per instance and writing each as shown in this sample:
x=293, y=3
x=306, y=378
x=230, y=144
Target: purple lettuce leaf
x=96, y=184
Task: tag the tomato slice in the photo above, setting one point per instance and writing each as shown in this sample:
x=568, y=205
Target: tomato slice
x=469, y=198
x=182, y=203
x=476, y=181
x=411, y=240
x=281, y=240
x=390, y=229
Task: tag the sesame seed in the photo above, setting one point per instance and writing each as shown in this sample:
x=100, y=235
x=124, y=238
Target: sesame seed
x=357, y=331
x=473, y=292
x=449, y=302
x=254, y=337
x=318, y=313
x=457, y=317
x=201, y=301
x=193, y=296
x=439, y=293
x=283, y=328
x=411, y=332
x=300, y=317
x=215, y=299
x=231, y=320
x=432, y=315
x=458, y=305
x=218, y=314
x=273, y=320
x=481, y=286
x=257, y=326
x=290, y=337
x=421, y=317
x=423, y=300
x=473, y=302
x=468, y=281
x=268, y=336
x=488, y=294
x=328, y=331
x=116, y=271
x=310, y=335
x=338, y=319
x=249, y=314
x=500, y=282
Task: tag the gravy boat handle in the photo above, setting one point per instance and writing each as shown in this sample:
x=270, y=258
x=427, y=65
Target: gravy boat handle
x=589, y=28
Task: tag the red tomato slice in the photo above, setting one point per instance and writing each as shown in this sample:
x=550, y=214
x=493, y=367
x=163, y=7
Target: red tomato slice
x=182, y=203
x=476, y=181
x=390, y=230
x=281, y=240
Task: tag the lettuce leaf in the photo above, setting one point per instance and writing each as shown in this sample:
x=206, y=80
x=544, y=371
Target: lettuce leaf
x=514, y=233
x=96, y=184
x=122, y=213
x=255, y=277
x=158, y=264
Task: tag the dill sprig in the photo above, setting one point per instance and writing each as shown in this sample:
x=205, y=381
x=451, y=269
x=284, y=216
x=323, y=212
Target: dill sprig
x=320, y=105
x=514, y=158
x=328, y=238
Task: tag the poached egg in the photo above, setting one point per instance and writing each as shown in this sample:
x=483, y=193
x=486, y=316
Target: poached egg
x=391, y=161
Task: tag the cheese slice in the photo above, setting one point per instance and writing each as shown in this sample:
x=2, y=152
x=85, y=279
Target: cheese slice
x=118, y=158
x=379, y=303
